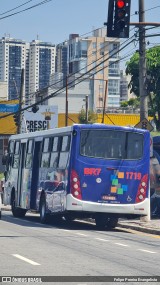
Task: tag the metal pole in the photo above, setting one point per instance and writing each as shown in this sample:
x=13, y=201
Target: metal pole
x=105, y=98
x=66, y=122
x=20, y=102
x=142, y=65
x=86, y=109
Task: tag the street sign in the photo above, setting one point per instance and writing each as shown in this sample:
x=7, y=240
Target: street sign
x=144, y=124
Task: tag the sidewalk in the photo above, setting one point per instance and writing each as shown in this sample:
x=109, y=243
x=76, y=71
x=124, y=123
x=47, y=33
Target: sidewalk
x=152, y=227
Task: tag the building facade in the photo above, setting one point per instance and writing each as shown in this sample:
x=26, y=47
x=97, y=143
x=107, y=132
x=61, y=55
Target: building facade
x=41, y=66
x=36, y=58
x=13, y=59
x=98, y=57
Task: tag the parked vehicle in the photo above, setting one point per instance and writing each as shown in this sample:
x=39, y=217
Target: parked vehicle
x=155, y=177
x=0, y=206
x=2, y=188
x=96, y=171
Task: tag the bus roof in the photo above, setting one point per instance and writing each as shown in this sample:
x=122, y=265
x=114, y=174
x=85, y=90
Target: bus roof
x=62, y=130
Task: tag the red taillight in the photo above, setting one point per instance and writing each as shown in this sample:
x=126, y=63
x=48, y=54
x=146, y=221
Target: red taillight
x=142, y=189
x=75, y=185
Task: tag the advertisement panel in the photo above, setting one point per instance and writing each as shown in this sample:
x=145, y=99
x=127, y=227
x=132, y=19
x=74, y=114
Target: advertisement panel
x=45, y=118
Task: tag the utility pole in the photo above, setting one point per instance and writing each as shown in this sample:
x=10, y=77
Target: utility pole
x=142, y=64
x=105, y=98
x=86, y=109
x=20, y=102
x=66, y=121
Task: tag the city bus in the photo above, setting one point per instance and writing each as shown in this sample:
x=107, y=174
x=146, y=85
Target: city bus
x=82, y=171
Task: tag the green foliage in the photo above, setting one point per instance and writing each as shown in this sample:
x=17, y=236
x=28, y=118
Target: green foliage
x=92, y=117
x=1, y=175
x=152, y=80
x=134, y=102
x=124, y=104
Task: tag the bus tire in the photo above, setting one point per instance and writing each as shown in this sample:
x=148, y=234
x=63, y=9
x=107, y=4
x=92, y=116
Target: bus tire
x=101, y=221
x=112, y=223
x=69, y=218
x=43, y=214
x=17, y=212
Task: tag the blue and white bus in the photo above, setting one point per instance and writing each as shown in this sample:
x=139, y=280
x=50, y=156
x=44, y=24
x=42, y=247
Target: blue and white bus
x=81, y=171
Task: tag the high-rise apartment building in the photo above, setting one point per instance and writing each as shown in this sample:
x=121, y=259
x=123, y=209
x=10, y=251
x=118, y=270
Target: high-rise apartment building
x=98, y=57
x=61, y=58
x=12, y=60
x=38, y=60
x=41, y=66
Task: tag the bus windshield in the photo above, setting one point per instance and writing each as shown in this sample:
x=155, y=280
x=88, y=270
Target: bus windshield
x=111, y=144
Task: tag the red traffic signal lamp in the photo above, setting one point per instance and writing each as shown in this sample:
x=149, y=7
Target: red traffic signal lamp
x=120, y=4
x=118, y=18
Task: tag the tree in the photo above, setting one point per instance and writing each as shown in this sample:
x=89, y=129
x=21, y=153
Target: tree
x=132, y=102
x=92, y=117
x=152, y=80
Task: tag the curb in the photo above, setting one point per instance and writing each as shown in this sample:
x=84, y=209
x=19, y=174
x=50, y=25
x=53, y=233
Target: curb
x=120, y=225
x=5, y=209
x=140, y=228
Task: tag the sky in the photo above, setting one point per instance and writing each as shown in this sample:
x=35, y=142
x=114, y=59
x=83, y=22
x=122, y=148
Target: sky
x=56, y=19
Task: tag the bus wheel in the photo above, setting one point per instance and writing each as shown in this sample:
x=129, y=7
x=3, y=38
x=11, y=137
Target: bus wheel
x=69, y=218
x=17, y=212
x=112, y=223
x=101, y=221
x=43, y=214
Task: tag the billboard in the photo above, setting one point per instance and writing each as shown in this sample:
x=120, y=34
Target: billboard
x=9, y=108
x=45, y=118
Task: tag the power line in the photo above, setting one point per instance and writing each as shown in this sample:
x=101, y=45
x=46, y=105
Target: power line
x=56, y=93
x=29, y=8
x=15, y=8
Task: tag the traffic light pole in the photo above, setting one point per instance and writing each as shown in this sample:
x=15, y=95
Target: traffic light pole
x=142, y=65
x=20, y=103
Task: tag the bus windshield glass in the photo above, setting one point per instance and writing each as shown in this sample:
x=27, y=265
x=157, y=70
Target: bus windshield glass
x=111, y=144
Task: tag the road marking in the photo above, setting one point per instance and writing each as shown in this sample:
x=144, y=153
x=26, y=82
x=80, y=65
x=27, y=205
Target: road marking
x=121, y=244
x=101, y=239
x=81, y=234
x=147, y=251
x=26, y=259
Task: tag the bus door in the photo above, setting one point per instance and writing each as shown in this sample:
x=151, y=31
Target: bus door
x=21, y=172
x=35, y=173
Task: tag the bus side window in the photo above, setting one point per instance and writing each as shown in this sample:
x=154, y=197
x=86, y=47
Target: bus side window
x=16, y=155
x=54, y=152
x=64, y=153
x=28, y=163
x=45, y=153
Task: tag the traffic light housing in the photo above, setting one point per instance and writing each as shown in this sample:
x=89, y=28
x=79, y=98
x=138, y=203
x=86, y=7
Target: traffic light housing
x=118, y=18
x=16, y=119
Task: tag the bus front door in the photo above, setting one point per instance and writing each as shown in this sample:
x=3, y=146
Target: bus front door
x=35, y=174
x=21, y=174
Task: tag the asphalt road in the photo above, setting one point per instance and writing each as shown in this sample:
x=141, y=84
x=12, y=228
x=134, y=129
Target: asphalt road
x=28, y=248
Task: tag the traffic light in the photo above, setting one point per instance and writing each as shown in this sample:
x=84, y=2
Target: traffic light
x=118, y=18
x=35, y=109
x=16, y=119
